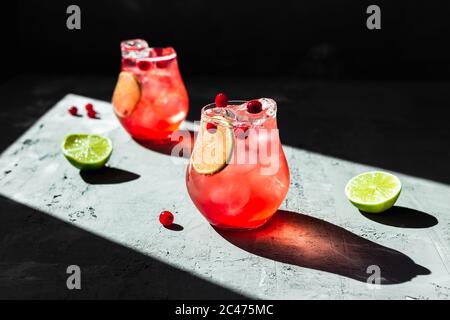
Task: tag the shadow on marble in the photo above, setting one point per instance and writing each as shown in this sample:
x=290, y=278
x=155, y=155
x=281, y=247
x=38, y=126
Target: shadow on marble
x=313, y=243
x=184, y=144
x=175, y=227
x=36, y=250
x=108, y=175
x=403, y=217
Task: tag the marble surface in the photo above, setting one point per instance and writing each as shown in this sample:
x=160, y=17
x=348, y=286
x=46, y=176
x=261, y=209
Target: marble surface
x=318, y=246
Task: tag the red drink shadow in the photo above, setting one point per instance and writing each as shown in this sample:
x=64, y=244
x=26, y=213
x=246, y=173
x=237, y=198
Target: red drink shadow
x=309, y=242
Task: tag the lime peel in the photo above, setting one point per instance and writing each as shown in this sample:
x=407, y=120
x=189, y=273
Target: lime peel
x=374, y=191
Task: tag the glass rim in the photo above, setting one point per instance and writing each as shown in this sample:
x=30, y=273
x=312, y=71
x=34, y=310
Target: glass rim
x=256, y=120
x=166, y=57
x=125, y=48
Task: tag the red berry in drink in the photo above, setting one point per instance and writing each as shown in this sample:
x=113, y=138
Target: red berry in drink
x=221, y=100
x=166, y=218
x=89, y=107
x=144, y=65
x=159, y=52
x=211, y=127
x=92, y=114
x=242, y=132
x=162, y=64
x=73, y=110
x=254, y=106
x=127, y=62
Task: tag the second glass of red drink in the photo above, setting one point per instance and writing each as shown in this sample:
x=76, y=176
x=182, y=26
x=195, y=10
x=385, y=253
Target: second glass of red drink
x=150, y=98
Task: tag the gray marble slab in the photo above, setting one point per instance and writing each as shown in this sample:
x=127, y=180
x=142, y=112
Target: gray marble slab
x=317, y=247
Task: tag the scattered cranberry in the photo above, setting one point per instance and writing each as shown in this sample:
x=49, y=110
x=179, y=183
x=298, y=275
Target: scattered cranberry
x=211, y=127
x=89, y=107
x=166, y=218
x=144, y=65
x=242, y=132
x=221, y=100
x=73, y=110
x=92, y=114
x=254, y=106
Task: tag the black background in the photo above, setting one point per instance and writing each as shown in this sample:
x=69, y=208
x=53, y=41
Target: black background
x=320, y=39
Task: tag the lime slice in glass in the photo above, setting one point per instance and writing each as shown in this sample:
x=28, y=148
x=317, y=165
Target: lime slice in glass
x=213, y=148
x=374, y=191
x=87, y=151
x=127, y=94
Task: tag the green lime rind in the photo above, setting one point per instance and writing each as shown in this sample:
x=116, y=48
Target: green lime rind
x=374, y=191
x=87, y=151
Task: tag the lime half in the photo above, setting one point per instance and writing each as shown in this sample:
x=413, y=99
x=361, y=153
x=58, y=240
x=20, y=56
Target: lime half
x=87, y=151
x=374, y=191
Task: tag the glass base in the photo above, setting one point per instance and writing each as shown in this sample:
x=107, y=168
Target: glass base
x=243, y=228
x=164, y=146
x=158, y=141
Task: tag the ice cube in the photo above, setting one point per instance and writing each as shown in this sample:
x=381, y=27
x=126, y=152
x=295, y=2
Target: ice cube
x=268, y=105
x=231, y=196
x=135, y=48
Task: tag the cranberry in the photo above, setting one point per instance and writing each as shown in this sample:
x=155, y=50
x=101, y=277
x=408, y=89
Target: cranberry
x=221, y=100
x=254, y=106
x=162, y=64
x=89, y=107
x=92, y=114
x=73, y=110
x=242, y=132
x=211, y=127
x=144, y=65
x=159, y=52
x=127, y=62
x=166, y=218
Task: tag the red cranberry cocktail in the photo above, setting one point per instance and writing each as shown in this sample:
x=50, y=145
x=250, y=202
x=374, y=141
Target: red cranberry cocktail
x=150, y=99
x=238, y=175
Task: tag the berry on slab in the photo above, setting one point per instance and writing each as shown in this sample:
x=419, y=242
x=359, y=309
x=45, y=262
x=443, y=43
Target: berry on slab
x=166, y=218
x=73, y=110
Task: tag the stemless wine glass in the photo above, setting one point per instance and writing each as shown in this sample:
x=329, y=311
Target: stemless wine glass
x=150, y=99
x=238, y=175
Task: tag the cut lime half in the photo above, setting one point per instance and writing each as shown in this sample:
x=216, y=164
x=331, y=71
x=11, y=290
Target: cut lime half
x=374, y=191
x=87, y=151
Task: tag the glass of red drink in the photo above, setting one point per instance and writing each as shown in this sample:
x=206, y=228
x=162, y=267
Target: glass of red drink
x=150, y=98
x=238, y=175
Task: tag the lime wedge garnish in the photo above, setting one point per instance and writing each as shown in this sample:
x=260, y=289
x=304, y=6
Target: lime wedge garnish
x=374, y=191
x=127, y=94
x=213, y=148
x=87, y=151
